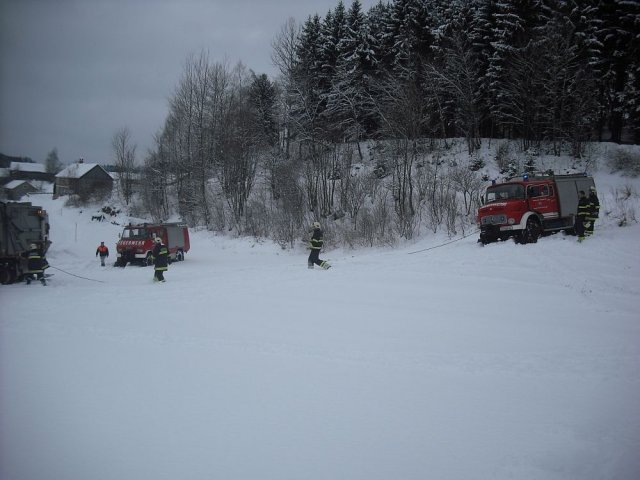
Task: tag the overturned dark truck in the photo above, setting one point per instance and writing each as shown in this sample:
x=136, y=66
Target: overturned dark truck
x=527, y=207
x=21, y=224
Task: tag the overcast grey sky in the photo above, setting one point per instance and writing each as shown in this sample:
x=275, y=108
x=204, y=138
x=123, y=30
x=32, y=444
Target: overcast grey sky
x=73, y=72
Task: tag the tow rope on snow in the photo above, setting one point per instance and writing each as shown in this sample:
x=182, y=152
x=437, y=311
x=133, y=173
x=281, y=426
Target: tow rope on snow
x=445, y=243
x=77, y=276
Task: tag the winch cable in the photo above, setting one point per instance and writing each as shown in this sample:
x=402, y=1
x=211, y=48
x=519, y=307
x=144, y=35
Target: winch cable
x=446, y=243
x=77, y=276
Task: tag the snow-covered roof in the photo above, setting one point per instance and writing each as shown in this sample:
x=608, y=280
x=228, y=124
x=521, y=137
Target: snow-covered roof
x=28, y=167
x=77, y=170
x=15, y=183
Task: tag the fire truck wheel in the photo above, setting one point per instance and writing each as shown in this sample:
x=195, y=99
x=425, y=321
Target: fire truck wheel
x=148, y=260
x=532, y=232
x=179, y=256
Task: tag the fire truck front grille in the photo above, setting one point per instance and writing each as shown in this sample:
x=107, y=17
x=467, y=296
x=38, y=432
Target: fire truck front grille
x=494, y=219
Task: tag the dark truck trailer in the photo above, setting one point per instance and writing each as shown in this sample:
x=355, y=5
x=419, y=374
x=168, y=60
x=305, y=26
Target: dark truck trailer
x=21, y=225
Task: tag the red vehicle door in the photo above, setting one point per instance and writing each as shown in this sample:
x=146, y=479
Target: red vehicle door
x=542, y=200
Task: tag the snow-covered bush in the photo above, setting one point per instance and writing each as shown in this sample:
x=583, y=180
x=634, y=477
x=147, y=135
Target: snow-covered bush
x=503, y=156
x=625, y=161
x=626, y=201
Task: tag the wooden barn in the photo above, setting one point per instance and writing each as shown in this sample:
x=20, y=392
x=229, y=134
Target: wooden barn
x=16, y=189
x=29, y=171
x=83, y=179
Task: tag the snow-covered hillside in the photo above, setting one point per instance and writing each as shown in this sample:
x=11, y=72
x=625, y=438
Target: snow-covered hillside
x=453, y=363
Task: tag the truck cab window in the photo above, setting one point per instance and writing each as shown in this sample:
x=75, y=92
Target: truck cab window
x=504, y=192
x=533, y=191
x=134, y=233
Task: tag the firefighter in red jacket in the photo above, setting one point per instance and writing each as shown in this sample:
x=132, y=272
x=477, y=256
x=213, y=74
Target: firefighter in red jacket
x=103, y=251
x=160, y=260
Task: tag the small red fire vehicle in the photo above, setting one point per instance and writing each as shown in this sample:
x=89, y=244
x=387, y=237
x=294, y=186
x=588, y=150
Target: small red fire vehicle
x=527, y=207
x=137, y=241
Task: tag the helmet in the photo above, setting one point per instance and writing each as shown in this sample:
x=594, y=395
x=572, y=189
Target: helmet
x=316, y=225
x=33, y=246
x=158, y=240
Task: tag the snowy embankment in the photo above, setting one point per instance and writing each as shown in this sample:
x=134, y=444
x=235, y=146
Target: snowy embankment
x=459, y=362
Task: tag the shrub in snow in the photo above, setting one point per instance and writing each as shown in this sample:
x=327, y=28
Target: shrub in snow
x=625, y=162
x=624, y=212
x=503, y=156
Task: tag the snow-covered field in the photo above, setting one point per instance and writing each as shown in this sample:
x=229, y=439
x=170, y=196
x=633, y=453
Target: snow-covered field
x=454, y=363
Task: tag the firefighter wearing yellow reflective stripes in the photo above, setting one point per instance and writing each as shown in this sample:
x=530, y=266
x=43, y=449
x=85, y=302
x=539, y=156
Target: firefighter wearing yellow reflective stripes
x=594, y=212
x=581, y=217
x=160, y=260
x=36, y=265
x=315, y=244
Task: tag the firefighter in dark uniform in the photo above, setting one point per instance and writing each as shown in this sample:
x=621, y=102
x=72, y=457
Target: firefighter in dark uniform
x=36, y=265
x=103, y=251
x=160, y=260
x=315, y=244
x=594, y=212
x=581, y=217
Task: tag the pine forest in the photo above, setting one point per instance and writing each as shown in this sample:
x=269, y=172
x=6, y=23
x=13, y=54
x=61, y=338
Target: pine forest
x=355, y=128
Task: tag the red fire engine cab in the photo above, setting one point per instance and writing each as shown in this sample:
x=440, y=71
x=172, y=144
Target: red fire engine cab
x=527, y=207
x=137, y=241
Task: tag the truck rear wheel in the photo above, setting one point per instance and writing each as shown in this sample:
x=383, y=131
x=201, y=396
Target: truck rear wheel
x=179, y=256
x=532, y=231
x=8, y=273
x=5, y=276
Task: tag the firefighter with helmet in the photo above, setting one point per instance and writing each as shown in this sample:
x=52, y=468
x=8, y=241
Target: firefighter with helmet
x=581, y=217
x=36, y=265
x=594, y=211
x=160, y=260
x=315, y=244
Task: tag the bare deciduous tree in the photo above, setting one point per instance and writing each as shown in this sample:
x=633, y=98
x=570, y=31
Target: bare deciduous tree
x=125, y=157
x=284, y=58
x=469, y=184
x=52, y=163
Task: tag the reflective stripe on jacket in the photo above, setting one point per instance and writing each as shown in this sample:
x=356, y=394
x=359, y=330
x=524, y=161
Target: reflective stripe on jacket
x=594, y=207
x=36, y=263
x=161, y=257
x=583, y=207
x=316, y=241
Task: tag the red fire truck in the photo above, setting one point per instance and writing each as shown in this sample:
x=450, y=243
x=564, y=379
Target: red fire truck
x=137, y=241
x=527, y=207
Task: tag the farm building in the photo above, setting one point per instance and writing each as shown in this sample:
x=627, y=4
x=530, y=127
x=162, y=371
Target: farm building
x=16, y=189
x=83, y=179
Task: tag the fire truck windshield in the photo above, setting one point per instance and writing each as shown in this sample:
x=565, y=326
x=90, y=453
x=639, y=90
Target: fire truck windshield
x=135, y=233
x=499, y=193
